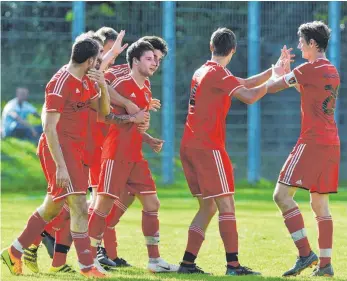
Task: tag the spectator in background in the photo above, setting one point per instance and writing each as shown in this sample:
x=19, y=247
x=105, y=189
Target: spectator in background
x=15, y=115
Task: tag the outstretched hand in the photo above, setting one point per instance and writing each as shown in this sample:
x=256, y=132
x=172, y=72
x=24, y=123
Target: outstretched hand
x=282, y=65
x=117, y=47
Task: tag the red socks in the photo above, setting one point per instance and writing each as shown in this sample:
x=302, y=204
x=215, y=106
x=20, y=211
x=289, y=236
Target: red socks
x=82, y=245
x=295, y=224
x=228, y=232
x=325, y=239
x=150, y=229
x=33, y=229
x=96, y=228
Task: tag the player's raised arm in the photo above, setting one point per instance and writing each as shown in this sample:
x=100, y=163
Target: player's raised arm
x=50, y=121
x=102, y=104
x=261, y=78
x=113, y=53
x=250, y=96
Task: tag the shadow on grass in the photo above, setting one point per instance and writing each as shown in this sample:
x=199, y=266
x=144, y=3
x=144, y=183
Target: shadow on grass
x=134, y=274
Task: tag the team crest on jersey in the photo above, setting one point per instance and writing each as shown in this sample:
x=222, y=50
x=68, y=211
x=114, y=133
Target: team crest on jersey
x=147, y=97
x=85, y=85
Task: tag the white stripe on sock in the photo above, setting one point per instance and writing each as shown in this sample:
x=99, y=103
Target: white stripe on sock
x=298, y=235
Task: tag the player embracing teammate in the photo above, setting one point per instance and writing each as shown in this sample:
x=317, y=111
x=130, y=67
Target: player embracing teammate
x=313, y=164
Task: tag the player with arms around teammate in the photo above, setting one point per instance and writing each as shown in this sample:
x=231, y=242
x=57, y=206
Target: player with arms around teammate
x=68, y=97
x=126, y=198
x=123, y=165
x=205, y=161
x=314, y=162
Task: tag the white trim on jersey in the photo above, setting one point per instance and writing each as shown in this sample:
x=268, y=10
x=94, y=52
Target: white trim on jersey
x=232, y=91
x=116, y=82
x=137, y=84
x=53, y=94
x=323, y=65
x=60, y=83
x=298, y=70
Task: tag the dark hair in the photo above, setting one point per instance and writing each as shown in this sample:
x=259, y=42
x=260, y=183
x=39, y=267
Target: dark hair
x=84, y=49
x=108, y=33
x=157, y=43
x=223, y=41
x=90, y=34
x=316, y=30
x=137, y=49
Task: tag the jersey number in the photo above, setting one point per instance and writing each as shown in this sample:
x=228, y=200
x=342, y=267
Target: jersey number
x=329, y=103
x=192, y=99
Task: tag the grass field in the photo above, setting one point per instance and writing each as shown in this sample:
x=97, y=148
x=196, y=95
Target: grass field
x=265, y=244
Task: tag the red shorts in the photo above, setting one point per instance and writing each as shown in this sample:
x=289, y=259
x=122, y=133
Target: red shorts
x=75, y=167
x=95, y=167
x=209, y=173
x=118, y=175
x=314, y=167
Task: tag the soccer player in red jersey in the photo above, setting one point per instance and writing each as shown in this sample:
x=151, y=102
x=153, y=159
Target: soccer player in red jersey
x=60, y=226
x=205, y=161
x=68, y=96
x=123, y=165
x=126, y=199
x=314, y=162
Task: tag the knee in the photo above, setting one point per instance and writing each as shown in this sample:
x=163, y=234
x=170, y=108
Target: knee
x=48, y=213
x=152, y=206
x=104, y=203
x=209, y=209
x=156, y=205
x=320, y=208
x=277, y=198
x=78, y=205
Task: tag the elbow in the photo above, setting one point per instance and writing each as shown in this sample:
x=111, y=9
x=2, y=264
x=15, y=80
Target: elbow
x=105, y=111
x=48, y=130
x=250, y=100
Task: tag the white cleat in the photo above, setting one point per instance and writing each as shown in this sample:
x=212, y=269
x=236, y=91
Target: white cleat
x=98, y=266
x=161, y=266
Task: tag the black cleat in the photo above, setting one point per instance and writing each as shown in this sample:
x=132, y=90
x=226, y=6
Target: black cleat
x=326, y=271
x=48, y=241
x=104, y=260
x=301, y=264
x=191, y=269
x=121, y=262
x=240, y=270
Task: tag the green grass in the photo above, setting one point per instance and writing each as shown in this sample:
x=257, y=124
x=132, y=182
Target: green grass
x=265, y=244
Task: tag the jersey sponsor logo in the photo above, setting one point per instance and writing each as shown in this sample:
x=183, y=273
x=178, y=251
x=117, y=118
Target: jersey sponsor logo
x=78, y=106
x=299, y=182
x=133, y=95
x=77, y=91
x=328, y=75
x=85, y=85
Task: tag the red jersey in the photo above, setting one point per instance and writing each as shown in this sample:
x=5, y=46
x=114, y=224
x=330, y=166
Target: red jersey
x=117, y=71
x=319, y=84
x=210, y=99
x=123, y=140
x=71, y=97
